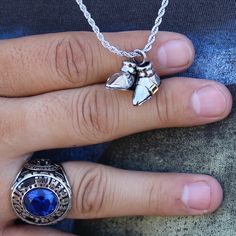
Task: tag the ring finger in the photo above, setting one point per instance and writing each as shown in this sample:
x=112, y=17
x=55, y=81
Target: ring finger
x=101, y=191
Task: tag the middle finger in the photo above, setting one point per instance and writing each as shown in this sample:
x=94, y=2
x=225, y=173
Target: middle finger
x=93, y=114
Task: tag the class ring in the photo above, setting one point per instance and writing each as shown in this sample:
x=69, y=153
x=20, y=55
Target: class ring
x=41, y=193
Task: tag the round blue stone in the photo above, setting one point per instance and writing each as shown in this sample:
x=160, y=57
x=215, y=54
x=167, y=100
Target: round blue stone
x=40, y=202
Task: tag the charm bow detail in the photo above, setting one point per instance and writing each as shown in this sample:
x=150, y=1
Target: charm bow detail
x=138, y=77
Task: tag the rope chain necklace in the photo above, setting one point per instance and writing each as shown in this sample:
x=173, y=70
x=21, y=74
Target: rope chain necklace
x=134, y=75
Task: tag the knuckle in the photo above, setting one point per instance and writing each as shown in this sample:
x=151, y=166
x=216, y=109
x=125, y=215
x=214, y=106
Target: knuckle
x=95, y=114
x=72, y=59
x=165, y=105
x=90, y=191
x=155, y=198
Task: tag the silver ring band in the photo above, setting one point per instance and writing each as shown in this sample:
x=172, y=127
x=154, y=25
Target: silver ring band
x=41, y=193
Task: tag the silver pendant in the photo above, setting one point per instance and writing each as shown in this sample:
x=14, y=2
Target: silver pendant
x=147, y=83
x=125, y=79
x=136, y=76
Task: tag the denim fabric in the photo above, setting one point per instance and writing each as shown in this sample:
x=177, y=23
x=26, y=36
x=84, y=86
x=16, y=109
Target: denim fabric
x=210, y=24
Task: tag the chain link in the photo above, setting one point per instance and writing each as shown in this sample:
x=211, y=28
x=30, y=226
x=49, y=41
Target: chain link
x=116, y=50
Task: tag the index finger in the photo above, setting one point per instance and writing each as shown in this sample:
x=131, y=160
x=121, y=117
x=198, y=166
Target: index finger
x=39, y=64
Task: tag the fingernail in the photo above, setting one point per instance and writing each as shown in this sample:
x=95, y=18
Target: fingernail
x=197, y=196
x=175, y=53
x=209, y=101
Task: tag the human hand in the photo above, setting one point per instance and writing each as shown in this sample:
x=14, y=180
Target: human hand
x=51, y=97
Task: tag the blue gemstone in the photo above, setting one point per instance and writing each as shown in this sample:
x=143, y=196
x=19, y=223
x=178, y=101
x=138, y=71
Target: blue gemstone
x=40, y=202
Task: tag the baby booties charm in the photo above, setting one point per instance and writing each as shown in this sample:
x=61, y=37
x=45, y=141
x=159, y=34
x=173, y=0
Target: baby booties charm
x=125, y=79
x=147, y=83
x=137, y=76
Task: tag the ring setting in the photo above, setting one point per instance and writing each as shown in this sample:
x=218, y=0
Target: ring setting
x=41, y=193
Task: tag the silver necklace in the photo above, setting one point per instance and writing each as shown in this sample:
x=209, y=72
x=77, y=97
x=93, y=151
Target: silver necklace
x=135, y=74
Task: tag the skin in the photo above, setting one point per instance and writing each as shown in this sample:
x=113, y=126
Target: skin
x=52, y=96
